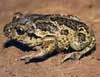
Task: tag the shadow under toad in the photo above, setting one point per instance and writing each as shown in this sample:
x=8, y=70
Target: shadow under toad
x=25, y=48
x=19, y=45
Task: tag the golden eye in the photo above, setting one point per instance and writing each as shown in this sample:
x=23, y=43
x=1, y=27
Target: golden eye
x=20, y=31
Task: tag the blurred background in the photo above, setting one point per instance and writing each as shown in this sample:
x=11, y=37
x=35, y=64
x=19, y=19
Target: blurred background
x=11, y=66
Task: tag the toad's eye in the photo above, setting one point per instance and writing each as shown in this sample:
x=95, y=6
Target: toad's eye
x=20, y=31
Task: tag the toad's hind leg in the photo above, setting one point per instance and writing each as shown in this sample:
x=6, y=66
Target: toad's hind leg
x=48, y=46
x=78, y=54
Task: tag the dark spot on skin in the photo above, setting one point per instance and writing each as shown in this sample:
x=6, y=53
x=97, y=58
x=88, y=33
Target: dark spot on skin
x=67, y=22
x=81, y=29
x=83, y=26
x=59, y=20
x=33, y=35
x=73, y=24
x=64, y=32
x=46, y=26
x=43, y=26
x=82, y=37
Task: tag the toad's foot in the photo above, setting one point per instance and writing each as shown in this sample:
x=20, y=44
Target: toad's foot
x=26, y=58
x=73, y=56
x=40, y=55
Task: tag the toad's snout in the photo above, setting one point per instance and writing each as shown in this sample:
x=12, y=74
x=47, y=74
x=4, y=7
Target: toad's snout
x=7, y=30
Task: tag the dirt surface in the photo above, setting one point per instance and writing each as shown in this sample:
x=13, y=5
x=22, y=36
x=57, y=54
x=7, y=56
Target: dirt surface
x=11, y=66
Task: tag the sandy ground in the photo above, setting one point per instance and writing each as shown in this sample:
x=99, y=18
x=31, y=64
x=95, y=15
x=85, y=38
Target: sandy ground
x=11, y=66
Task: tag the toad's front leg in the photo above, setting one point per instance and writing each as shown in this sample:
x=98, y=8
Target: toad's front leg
x=48, y=46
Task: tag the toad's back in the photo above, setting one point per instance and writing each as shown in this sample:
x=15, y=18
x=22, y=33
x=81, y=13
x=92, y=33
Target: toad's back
x=70, y=26
x=53, y=22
